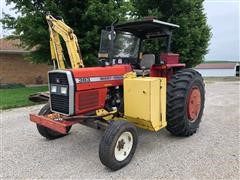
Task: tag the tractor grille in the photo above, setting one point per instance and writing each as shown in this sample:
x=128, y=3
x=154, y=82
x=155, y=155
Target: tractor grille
x=88, y=99
x=61, y=103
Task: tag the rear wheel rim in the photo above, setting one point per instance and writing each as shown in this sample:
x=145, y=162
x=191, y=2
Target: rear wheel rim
x=123, y=146
x=194, y=104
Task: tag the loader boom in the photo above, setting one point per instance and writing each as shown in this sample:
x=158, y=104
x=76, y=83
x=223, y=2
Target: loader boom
x=58, y=27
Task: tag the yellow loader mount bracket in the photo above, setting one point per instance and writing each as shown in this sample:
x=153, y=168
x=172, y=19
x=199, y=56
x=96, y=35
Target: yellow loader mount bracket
x=129, y=89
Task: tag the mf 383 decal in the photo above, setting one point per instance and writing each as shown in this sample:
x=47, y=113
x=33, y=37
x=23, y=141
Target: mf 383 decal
x=97, y=79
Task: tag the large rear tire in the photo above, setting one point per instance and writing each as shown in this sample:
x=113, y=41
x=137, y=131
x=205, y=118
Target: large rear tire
x=118, y=144
x=46, y=132
x=185, y=102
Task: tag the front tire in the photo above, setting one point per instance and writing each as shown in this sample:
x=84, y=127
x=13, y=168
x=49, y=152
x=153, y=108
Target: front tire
x=118, y=144
x=46, y=132
x=185, y=102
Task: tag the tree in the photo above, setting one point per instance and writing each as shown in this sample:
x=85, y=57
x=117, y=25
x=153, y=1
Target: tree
x=87, y=18
x=191, y=39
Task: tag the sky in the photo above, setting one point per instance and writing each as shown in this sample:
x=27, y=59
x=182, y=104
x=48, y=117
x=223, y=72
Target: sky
x=8, y=10
x=223, y=17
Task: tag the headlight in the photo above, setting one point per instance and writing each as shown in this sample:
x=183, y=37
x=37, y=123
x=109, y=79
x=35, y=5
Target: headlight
x=53, y=89
x=64, y=90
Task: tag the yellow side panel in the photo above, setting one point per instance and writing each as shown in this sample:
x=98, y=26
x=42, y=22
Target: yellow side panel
x=133, y=93
x=145, y=102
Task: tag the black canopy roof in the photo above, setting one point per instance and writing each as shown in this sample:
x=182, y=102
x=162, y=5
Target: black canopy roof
x=150, y=28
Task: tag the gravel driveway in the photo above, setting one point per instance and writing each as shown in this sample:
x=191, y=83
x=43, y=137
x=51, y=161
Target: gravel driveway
x=212, y=153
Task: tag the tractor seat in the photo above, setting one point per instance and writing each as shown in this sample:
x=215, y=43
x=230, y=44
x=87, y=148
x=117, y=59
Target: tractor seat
x=147, y=61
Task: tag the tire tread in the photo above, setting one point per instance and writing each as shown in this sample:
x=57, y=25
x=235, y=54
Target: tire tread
x=177, y=89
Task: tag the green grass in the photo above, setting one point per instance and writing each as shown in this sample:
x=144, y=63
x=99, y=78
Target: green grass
x=12, y=98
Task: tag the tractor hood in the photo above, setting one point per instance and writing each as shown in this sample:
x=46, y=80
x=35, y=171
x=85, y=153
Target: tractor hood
x=99, y=77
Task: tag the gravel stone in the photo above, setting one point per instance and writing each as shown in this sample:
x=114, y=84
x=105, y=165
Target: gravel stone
x=211, y=153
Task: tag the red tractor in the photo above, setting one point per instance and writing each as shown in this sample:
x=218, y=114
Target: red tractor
x=130, y=88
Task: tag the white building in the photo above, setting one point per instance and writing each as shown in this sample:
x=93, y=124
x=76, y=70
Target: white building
x=218, y=69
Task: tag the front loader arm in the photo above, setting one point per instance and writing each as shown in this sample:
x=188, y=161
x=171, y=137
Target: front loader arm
x=56, y=28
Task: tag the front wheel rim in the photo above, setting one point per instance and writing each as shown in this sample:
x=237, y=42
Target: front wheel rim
x=194, y=104
x=123, y=146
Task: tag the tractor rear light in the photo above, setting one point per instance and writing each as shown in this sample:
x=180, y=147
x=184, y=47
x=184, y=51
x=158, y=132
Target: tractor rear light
x=164, y=67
